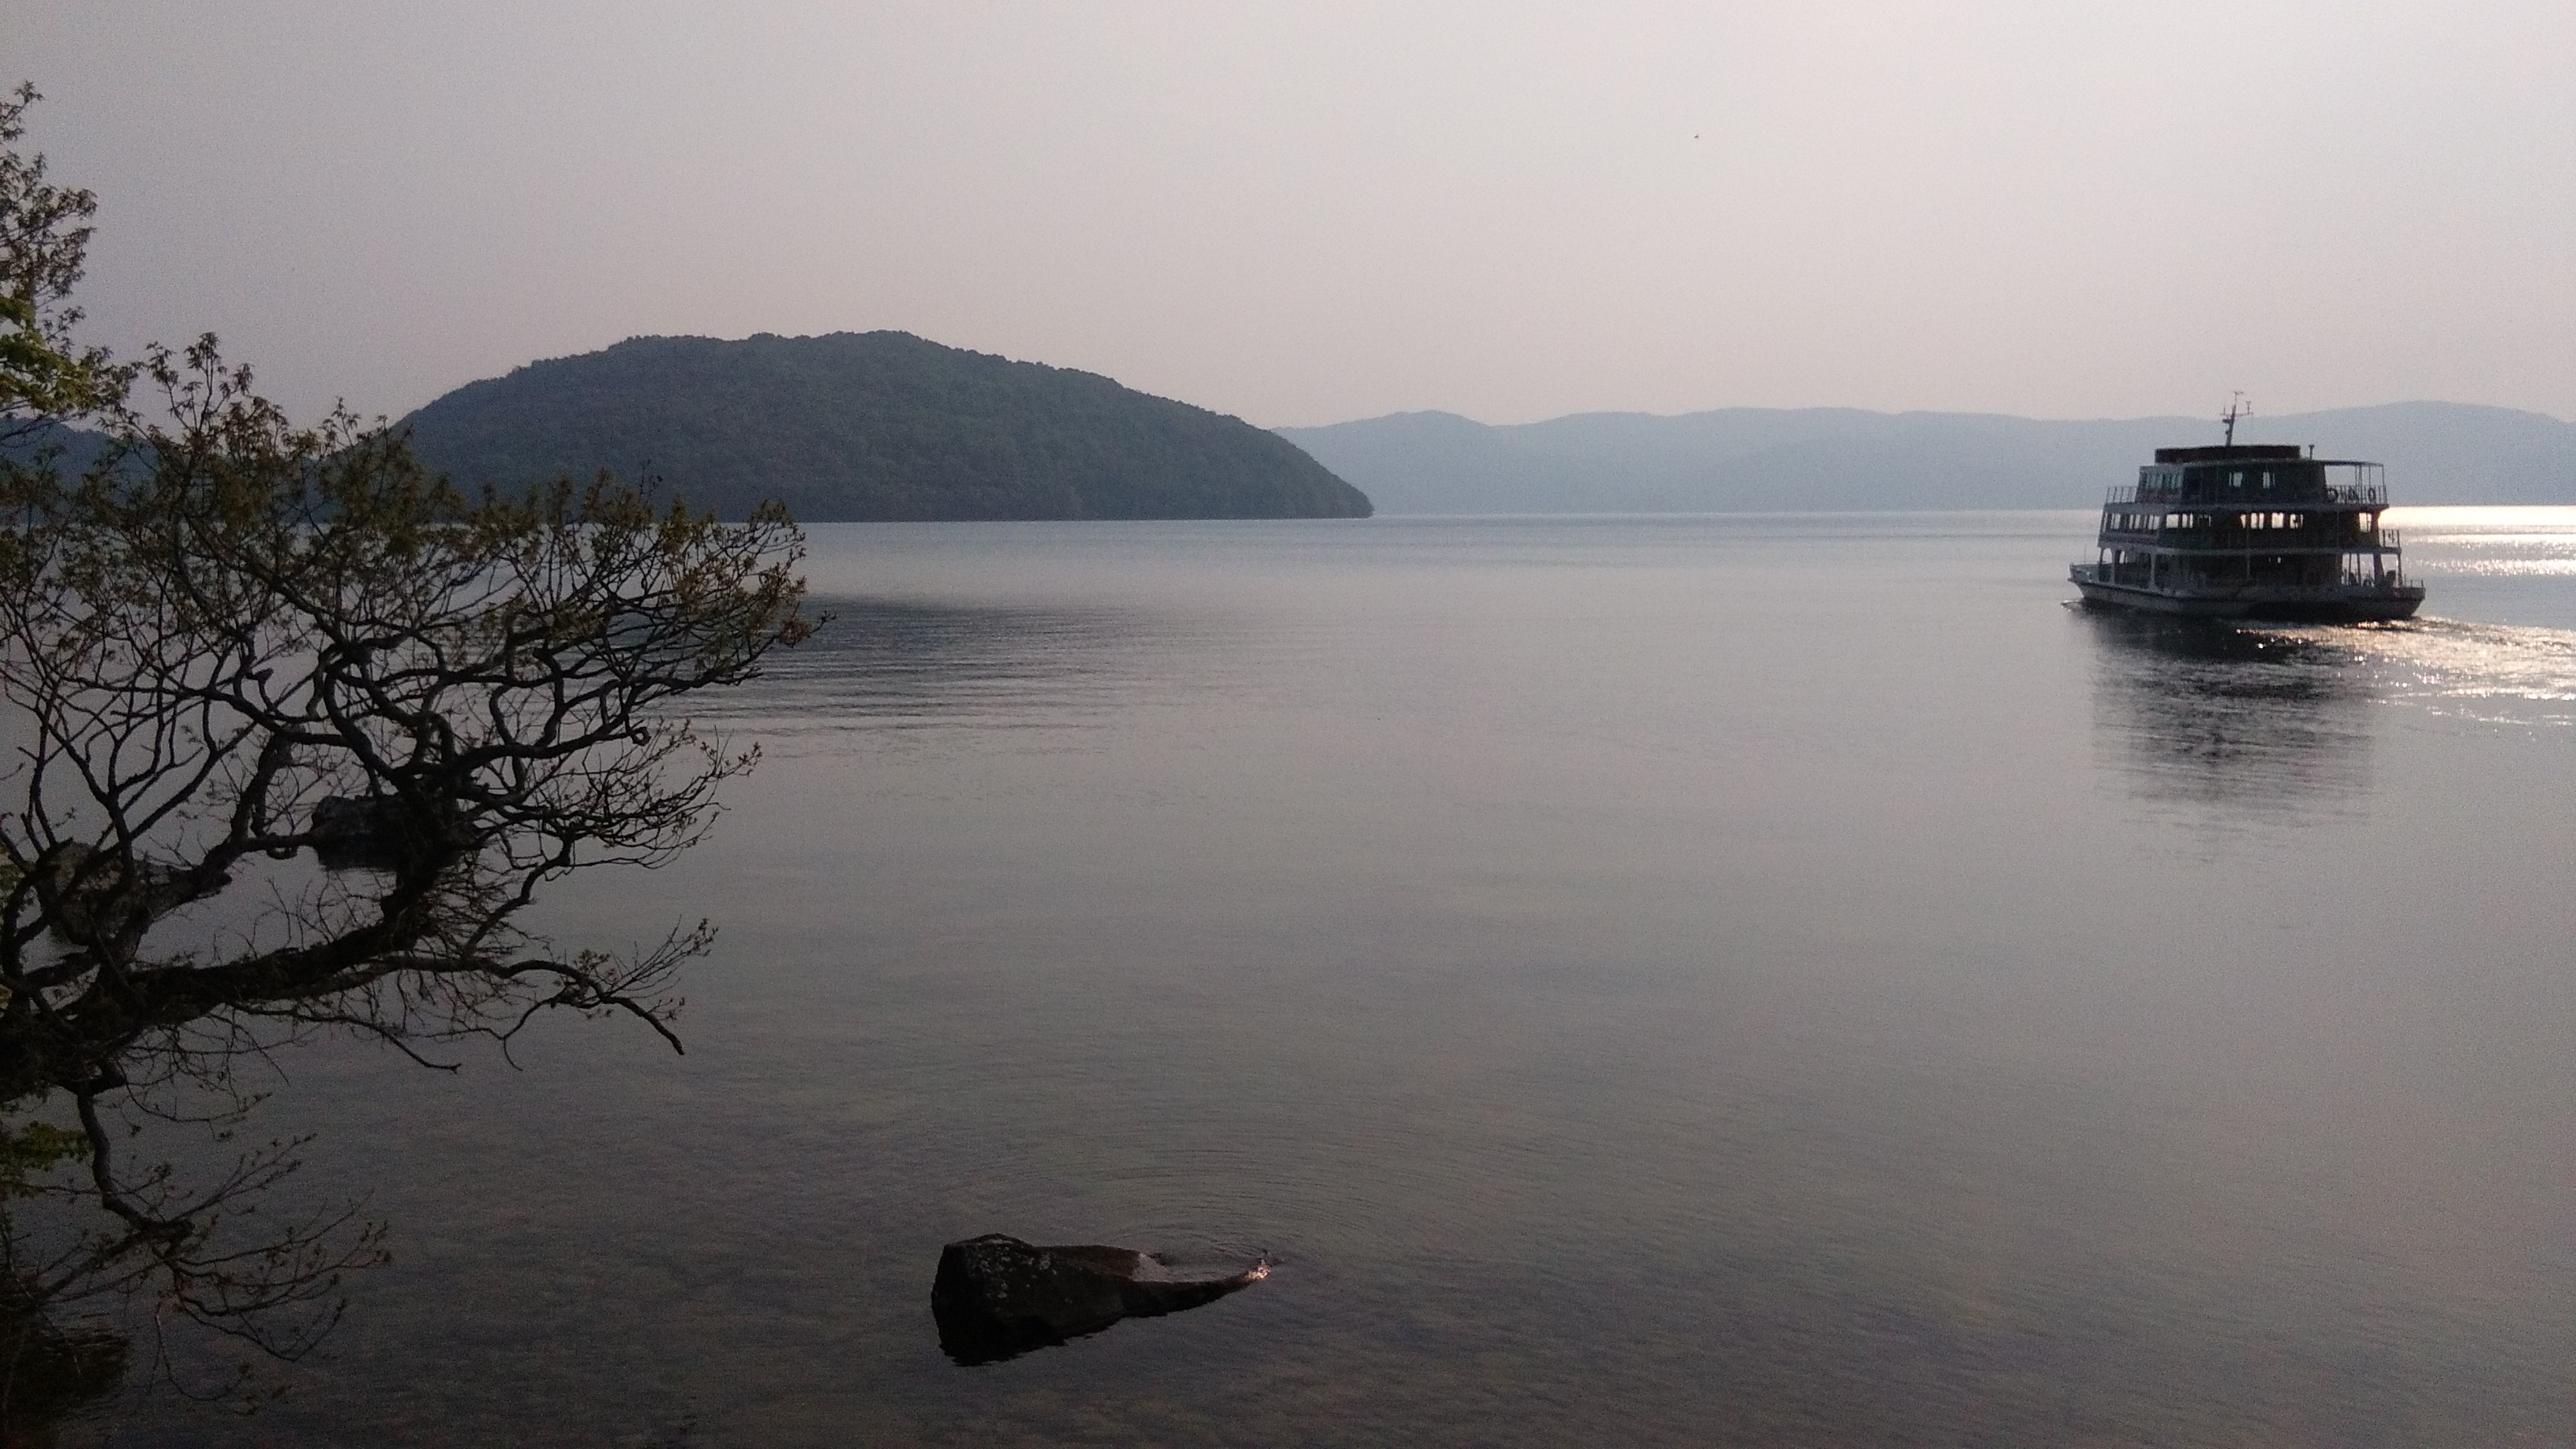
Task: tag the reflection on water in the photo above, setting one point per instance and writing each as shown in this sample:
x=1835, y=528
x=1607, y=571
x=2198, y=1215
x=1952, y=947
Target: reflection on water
x=2253, y=719
x=2494, y=565
x=2498, y=673
x=2196, y=711
x=890, y=665
x=2525, y=542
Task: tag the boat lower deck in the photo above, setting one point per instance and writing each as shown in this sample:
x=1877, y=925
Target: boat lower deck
x=2327, y=603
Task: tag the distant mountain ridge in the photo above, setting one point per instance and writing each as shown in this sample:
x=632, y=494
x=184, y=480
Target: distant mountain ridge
x=1835, y=459
x=874, y=425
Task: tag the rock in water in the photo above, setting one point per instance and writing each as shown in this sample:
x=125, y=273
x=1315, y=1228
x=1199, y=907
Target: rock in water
x=997, y=1297
x=358, y=832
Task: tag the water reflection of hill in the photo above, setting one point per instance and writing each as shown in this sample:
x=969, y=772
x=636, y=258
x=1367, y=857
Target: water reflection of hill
x=2240, y=720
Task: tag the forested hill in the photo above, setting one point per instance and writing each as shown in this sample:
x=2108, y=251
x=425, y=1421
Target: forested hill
x=1750, y=459
x=875, y=425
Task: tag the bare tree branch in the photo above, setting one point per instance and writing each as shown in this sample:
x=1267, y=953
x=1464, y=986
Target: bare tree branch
x=308, y=733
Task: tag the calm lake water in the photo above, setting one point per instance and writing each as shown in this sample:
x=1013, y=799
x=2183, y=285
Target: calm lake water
x=1784, y=980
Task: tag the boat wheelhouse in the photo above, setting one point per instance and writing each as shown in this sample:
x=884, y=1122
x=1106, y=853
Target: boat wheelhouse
x=2250, y=531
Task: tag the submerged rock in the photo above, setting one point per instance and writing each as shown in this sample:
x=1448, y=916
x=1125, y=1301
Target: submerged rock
x=997, y=1297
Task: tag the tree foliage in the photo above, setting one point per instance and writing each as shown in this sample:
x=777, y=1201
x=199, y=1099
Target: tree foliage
x=298, y=731
x=44, y=236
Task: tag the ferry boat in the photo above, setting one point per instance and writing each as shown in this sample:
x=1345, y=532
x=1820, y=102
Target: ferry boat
x=2250, y=531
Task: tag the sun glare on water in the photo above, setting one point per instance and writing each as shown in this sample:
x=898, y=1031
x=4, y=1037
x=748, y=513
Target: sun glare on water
x=2528, y=542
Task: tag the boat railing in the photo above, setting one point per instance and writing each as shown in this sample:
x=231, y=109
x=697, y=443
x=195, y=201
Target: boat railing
x=2363, y=483
x=2374, y=493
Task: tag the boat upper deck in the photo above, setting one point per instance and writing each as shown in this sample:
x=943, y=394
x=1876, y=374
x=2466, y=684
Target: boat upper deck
x=2261, y=476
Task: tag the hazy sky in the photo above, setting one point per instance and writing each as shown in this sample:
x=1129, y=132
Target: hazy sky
x=1302, y=213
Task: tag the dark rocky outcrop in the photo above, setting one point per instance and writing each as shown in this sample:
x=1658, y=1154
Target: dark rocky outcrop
x=997, y=1297
x=50, y=1372
x=379, y=832
x=95, y=898
x=359, y=832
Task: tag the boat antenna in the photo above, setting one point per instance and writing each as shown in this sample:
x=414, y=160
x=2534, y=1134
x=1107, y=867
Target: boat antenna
x=2237, y=407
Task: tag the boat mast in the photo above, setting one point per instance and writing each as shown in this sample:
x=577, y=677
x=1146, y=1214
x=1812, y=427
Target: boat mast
x=2237, y=407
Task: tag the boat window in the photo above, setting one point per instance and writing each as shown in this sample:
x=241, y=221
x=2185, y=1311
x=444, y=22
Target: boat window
x=2267, y=477
x=2369, y=521
x=2235, y=480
